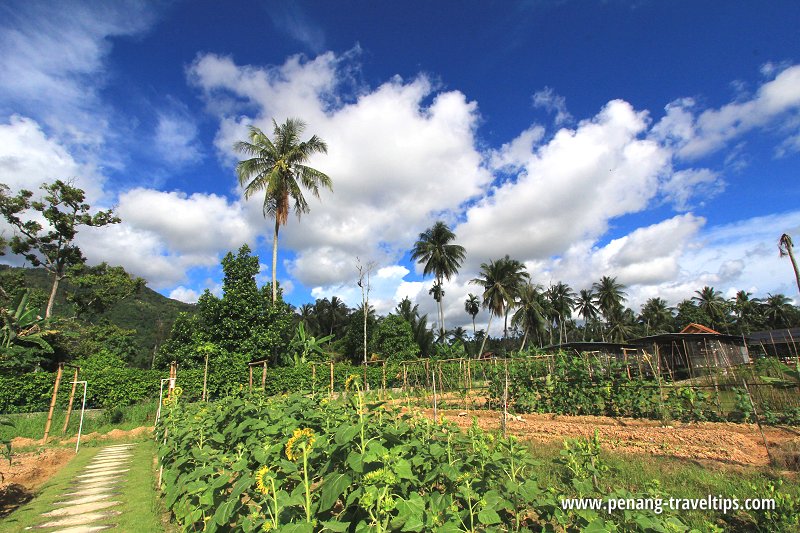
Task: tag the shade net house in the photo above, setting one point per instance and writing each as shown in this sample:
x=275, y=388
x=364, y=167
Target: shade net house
x=781, y=343
x=692, y=352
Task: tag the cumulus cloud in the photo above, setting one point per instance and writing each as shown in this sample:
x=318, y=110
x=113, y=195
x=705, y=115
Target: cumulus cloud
x=693, y=134
x=396, y=163
x=181, y=293
x=29, y=157
x=684, y=185
x=568, y=189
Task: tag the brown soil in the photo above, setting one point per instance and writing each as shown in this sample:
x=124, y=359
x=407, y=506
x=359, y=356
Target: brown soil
x=27, y=471
x=736, y=444
x=115, y=434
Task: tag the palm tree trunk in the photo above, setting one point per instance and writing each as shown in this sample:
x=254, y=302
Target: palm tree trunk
x=524, y=338
x=275, y=261
x=473, y=325
x=483, y=344
x=794, y=265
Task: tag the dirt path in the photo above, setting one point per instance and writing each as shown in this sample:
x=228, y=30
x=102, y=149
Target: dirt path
x=739, y=444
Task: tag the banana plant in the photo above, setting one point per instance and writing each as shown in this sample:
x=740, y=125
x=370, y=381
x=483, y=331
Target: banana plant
x=23, y=325
x=304, y=345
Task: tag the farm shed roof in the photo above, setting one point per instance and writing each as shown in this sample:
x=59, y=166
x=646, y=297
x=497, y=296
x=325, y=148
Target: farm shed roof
x=775, y=336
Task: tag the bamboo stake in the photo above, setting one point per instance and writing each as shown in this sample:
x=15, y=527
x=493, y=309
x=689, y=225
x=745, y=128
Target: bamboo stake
x=405, y=377
x=251, y=377
x=435, y=418
x=53, y=403
x=331, y=363
x=71, y=399
x=505, y=400
x=264, y=377
x=758, y=421
x=383, y=384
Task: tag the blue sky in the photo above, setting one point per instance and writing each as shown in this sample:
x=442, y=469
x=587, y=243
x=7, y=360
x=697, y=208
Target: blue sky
x=657, y=142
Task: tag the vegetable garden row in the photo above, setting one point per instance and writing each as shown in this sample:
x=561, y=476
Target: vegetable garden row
x=297, y=464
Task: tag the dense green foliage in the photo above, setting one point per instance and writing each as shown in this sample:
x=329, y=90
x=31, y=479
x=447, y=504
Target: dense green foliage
x=570, y=385
x=243, y=323
x=143, y=318
x=295, y=464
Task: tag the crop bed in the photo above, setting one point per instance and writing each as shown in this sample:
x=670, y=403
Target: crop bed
x=296, y=464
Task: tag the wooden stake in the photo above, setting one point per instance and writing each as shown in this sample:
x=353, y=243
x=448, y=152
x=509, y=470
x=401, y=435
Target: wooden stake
x=505, y=400
x=53, y=403
x=384, y=378
x=405, y=377
x=435, y=419
x=205, y=378
x=758, y=422
x=264, y=377
x=71, y=399
x=251, y=377
x=331, y=363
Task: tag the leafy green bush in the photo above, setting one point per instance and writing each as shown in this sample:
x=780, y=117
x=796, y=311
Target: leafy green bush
x=250, y=463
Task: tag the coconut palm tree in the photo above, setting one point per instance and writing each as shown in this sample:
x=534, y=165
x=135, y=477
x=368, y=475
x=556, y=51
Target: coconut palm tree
x=515, y=278
x=586, y=309
x=777, y=309
x=440, y=257
x=530, y=314
x=711, y=301
x=562, y=300
x=746, y=310
x=656, y=316
x=472, y=306
x=786, y=247
x=609, y=297
x=277, y=167
x=501, y=281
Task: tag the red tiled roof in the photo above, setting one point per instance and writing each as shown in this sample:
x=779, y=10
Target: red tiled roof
x=698, y=328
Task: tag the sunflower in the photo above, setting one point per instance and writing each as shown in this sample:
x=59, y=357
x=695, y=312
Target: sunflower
x=349, y=381
x=263, y=475
x=301, y=439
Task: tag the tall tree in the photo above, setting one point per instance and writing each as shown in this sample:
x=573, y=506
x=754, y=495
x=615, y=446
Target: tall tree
x=711, y=301
x=746, y=311
x=610, y=294
x=530, y=314
x=65, y=210
x=562, y=300
x=586, y=309
x=501, y=281
x=440, y=257
x=472, y=306
x=786, y=247
x=277, y=167
x=656, y=316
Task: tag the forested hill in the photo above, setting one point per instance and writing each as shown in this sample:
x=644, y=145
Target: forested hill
x=147, y=312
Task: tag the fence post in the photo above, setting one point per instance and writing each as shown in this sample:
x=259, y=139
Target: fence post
x=71, y=399
x=331, y=363
x=52, y=403
x=264, y=377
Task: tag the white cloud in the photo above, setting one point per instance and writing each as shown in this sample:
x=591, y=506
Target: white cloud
x=684, y=185
x=396, y=163
x=694, y=135
x=568, y=190
x=175, y=139
x=548, y=100
x=189, y=296
x=53, y=60
x=29, y=158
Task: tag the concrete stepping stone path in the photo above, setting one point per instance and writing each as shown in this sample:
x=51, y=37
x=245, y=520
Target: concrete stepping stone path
x=91, y=498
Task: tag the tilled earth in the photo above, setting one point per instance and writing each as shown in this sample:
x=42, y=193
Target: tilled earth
x=736, y=444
